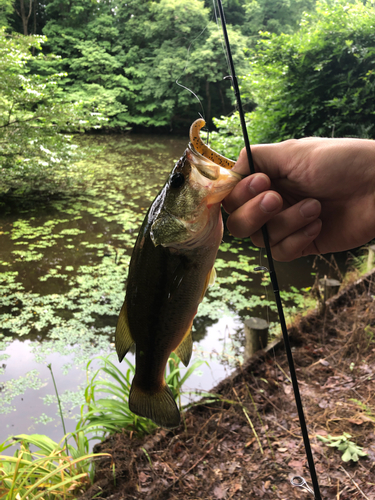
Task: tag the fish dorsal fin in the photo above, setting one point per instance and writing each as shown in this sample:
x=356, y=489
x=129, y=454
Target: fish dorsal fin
x=185, y=348
x=123, y=338
x=159, y=406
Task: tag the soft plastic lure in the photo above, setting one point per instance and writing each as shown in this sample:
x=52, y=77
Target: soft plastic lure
x=203, y=149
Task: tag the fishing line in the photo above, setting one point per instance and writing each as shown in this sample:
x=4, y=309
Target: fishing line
x=272, y=273
x=221, y=38
x=183, y=72
x=225, y=50
x=262, y=268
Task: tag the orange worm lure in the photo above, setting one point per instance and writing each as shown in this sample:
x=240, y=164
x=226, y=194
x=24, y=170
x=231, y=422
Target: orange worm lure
x=203, y=149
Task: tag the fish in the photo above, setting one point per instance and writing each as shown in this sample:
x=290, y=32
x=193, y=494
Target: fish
x=171, y=267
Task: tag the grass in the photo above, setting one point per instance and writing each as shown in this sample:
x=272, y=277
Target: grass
x=48, y=473
x=106, y=409
x=61, y=470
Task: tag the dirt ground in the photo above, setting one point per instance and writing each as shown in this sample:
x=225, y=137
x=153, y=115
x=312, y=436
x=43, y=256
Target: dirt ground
x=248, y=444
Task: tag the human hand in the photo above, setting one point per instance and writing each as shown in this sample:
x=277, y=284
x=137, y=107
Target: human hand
x=316, y=196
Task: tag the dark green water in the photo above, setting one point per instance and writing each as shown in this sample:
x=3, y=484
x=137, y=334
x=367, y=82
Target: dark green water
x=63, y=267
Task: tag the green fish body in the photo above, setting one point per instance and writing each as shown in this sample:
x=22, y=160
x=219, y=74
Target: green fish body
x=170, y=270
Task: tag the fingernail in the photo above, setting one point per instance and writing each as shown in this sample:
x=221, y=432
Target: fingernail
x=313, y=228
x=270, y=203
x=258, y=184
x=310, y=208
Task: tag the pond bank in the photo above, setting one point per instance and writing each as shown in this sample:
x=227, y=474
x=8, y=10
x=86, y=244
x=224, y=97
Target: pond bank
x=248, y=444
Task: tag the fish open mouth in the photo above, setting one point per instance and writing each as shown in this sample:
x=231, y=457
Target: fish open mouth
x=207, y=167
x=222, y=180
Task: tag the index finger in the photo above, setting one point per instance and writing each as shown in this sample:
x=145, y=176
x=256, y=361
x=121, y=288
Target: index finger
x=267, y=158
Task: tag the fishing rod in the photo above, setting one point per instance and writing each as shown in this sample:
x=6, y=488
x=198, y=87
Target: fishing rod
x=272, y=272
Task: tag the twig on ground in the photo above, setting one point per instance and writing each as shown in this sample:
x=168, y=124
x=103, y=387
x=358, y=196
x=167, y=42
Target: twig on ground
x=283, y=372
x=324, y=359
x=286, y=430
x=250, y=422
x=355, y=484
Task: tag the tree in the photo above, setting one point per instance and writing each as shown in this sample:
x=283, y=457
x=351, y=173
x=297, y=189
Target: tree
x=273, y=16
x=318, y=81
x=34, y=153
x=85, y=36
x=169, y=40
x=125, y=58
x=6, y=9
x=283, y=16
x=25, y=16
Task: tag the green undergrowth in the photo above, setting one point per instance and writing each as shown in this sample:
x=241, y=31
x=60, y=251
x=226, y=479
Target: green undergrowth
x=349, y=449
x=50, y=472
x=63, y=470
x=106, y=407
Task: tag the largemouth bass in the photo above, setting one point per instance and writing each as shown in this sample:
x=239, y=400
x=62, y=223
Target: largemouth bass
x=170, y=270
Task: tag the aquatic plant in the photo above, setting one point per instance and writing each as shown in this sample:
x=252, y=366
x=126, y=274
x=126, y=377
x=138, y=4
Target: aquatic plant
x=106, y=407
x=175, y=378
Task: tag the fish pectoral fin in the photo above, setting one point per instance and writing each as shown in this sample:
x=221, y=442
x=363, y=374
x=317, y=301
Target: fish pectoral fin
x=160, y=406
x=185, y=348
x=123, y=337
x=212, y=277
x=210, y=280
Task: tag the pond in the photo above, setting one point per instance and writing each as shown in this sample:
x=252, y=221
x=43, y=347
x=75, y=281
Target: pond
x=63, y=272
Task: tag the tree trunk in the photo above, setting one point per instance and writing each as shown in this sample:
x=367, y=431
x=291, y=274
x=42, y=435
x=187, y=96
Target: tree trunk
x=208, y=95
x=34, y=23
x=25, y=18
x=222, y=100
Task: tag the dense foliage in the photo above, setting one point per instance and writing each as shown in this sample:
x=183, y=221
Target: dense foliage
x=253, y=16
x=6, y=10
x=123, y=58
x=318, y=81
x=126, y=57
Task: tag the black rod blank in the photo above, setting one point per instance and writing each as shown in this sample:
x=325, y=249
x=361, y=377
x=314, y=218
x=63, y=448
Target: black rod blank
x=272, y=272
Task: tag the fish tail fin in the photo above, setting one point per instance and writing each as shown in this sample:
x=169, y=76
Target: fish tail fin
x=160, y=406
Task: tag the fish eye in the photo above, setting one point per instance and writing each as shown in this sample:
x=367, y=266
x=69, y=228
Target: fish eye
x=177, y=180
